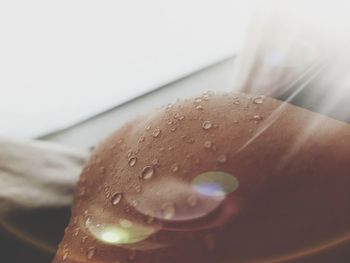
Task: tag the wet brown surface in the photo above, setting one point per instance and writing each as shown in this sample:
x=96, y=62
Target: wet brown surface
x=275, y=188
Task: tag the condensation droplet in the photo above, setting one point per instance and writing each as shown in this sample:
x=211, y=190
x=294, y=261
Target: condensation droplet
x=168, y=210
x=192, y=200
x=257, y=117
x=148, y=127
x=208, y=144
x=168, y=107
x=258, y=99
x=116, y=198
x=65, y=256
x=171, y=148
x=199, y=107
x=236, y=101
x=173, y=129
x=188, y=139
x=90, y=252
x=156, y=132
x=135, y=203
x=125, y=223
x=76, y=231
x=84, y=238
x=222, y=158
x=138, y=188
x=155, y=162
x=176, y=115
x=82, y=191
x=181, y=117
x=206, y=125
x=175, y=167
x=147, y=172
x=198, y=100
x=132, y=161
x=142, y=139
x=88, y=222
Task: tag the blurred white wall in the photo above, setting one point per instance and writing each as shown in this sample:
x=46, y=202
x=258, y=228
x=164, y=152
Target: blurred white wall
x=63, y=61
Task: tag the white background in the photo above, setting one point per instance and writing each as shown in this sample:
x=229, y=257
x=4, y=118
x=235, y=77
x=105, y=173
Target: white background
x=63, y=61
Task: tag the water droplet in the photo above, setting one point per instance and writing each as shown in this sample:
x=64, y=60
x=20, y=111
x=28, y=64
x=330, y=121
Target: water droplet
x=107, y=188
x=84, y=238
x=90, y=252
x=168, y=107
x=138, y=188
x=147, y=172
x=188, y=139
x=135, y=203
x=192, y=200
x=257, y=117
x=222, y=158
x=173, y=129
x=161, y=149
x=199, y=107
x=175, y=167
x=142, y=139
x=116, y=198
x=76, y=231
x=168, y=210
x=156, y=132
x=170, y=122
x=181, y=118
x=208, y=144
x=148, y=127
x=176, y=115
x=82, y=191
x=198, y=100
x=88, y=222
x=206, y=125
x=125, y=223
x=155, y=162
x=206, y=97
x=235, y=121
x=132, y=161
x=65, y=256
x=258, y=99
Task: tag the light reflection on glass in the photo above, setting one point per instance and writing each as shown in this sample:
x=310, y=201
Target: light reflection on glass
x=215, y=183
x=170, y=199
x=114, y=235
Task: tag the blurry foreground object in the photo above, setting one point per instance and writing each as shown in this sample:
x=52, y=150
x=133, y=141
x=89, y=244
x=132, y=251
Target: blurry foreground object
x=298, y=51
x=37, y=181
x=219, y=178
